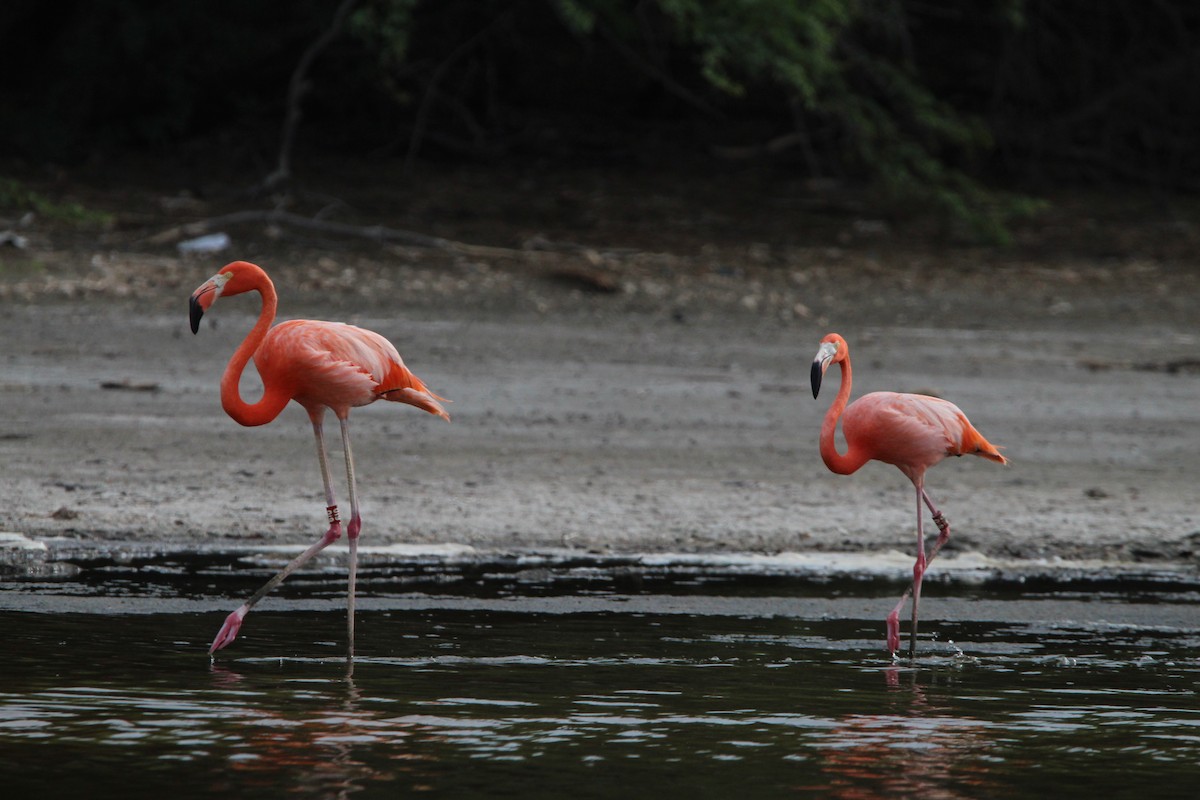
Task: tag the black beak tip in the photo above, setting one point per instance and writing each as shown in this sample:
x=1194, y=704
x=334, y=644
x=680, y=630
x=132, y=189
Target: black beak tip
x=195, y=312
x=817, y=372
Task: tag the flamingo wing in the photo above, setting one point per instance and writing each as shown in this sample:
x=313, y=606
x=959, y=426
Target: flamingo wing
x=962, y=438
x=326, y=363
x=340, y=366
x=908, y=430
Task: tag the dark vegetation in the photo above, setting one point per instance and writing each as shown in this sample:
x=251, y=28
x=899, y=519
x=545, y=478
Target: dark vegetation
x=966, y=110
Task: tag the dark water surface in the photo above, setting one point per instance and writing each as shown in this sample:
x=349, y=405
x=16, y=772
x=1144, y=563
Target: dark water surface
x=592, y=680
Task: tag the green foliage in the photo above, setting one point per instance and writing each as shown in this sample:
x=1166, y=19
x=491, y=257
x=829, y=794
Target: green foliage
x=906, y=139
x=790, y=43
x=845, y=64
x=925, y=97
x=17, y=198
x=385, y=27
x=740, y=41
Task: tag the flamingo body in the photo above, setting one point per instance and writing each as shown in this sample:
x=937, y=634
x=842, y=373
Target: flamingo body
x=338, y=366
x=320, y=365
x=913, y=432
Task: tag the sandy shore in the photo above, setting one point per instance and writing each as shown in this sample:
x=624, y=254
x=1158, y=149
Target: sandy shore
x=673, y=414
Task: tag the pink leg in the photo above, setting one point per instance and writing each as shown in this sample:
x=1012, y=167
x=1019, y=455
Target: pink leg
x=940, y=520
x=233, y=622
x=352, y=532
x=919, y=567
x=943, y=525
x=893, y=627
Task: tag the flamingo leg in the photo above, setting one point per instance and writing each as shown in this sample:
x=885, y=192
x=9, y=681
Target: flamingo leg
x=919, y=568
x=233, y=622
x=940, y=520
x=352, y=532
x=943, y=536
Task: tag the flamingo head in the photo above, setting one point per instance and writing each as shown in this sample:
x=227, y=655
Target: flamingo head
x=234, y=278
x=833, y=349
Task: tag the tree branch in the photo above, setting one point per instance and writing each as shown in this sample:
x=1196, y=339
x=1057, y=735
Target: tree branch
x=376, y=233
x=431, y=90
x=297, y=87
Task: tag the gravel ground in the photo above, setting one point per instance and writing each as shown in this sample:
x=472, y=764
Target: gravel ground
x=650, y=397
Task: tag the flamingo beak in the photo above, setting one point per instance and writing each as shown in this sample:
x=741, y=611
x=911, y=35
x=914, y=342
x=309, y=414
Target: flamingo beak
x=821, y=363
x=202, y=299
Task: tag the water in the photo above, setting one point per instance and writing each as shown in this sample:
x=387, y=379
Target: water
x=592, y=678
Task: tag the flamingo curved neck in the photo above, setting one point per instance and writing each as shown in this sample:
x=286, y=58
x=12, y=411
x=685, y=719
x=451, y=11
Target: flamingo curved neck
x=853, y=458
x=273, y=401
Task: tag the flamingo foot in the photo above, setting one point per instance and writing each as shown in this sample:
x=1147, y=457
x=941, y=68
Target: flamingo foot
x=229, y=630
x=893, y=631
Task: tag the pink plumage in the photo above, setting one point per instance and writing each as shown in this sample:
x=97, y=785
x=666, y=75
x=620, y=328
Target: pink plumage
x=319, y=365
x=339, y=366
x=912, y=432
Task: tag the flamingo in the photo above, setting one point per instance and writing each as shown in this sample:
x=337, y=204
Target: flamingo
x=319, y=365
x=911, y=431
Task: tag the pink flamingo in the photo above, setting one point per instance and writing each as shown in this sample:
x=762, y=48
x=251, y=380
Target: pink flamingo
x=911, y=431
x=319, y=365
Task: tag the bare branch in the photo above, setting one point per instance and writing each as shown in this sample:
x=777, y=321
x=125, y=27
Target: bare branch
x=376, y=233
x=296, y=90
x=431, y=90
